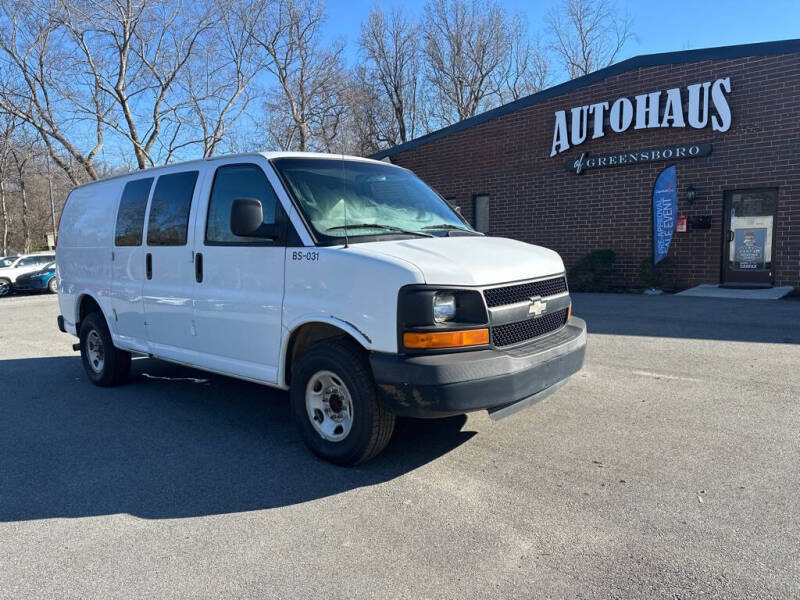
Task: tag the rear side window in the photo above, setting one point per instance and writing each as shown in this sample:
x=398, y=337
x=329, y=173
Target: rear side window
x=130, y=216
x=232, y=182
x=169, y=209
x=28, y=261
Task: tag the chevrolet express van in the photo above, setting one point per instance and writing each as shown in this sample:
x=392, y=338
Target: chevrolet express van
x=346, y=281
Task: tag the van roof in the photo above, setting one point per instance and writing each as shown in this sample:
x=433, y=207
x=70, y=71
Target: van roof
x=267, y=155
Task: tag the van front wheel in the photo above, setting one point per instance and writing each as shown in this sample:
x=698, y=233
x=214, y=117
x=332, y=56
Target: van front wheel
x=105, y=364
x=335, y=406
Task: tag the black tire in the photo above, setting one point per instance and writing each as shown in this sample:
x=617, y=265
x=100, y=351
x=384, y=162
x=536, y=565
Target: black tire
x=52, y=285
x=372, y=425
x=5, y=287
x=115, y=364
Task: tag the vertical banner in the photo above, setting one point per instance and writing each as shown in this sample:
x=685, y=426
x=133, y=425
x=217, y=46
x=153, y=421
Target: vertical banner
x=665, y=211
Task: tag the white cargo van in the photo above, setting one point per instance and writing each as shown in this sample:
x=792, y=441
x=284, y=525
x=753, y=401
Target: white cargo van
x=346, y=281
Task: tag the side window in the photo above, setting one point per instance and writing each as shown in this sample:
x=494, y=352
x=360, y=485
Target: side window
x=169, y=209
x=481, y=213
x=130, y=216
x=28, y=261
x=232, y=182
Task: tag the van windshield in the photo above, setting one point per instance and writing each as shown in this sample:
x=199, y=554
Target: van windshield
x=365, y=199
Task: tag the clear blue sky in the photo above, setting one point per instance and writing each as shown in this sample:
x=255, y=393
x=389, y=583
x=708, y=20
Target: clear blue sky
x=660, y=25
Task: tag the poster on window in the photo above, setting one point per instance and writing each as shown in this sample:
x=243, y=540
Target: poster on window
x=749, y=248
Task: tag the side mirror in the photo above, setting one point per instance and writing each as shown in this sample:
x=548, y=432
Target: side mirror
x=247, y=220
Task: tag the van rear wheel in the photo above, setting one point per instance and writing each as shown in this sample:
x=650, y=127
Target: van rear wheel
x=335, y=406
x=105, y=364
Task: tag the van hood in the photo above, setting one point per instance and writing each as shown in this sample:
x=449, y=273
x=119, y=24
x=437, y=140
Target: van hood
x=470, y=260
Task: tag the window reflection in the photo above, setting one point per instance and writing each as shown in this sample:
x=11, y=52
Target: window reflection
x=232, y=182
x=130, y=216
x=169, y=210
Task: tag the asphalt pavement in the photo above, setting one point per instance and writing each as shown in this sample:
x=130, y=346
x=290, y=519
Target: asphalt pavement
x=669, y=467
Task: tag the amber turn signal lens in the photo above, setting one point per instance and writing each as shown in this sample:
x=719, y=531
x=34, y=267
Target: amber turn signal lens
x=569, y=310
x=446, y=339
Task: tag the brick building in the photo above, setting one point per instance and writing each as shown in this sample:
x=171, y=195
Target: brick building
x=573, y=167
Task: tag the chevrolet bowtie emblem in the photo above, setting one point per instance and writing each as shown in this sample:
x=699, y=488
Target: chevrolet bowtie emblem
x=537, y=306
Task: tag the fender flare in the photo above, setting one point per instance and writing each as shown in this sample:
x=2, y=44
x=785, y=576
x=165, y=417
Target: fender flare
x=327, y=319
x=79, y=296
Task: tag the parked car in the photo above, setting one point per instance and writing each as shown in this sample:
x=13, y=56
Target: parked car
x=346, y=281
x=21, y=265
x=43, y=279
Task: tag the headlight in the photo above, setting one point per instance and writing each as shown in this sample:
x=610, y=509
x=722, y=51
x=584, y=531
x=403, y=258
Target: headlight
x=444, y=307
x=434, y=319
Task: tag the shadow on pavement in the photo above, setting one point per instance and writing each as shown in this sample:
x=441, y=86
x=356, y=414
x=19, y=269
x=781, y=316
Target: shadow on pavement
x=670, y=316
x=167, y=449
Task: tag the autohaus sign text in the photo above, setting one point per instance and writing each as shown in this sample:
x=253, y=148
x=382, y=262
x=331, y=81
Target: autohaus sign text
x=646, y=111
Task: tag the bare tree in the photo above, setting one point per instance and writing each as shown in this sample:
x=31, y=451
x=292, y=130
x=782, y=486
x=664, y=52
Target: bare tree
x=7, y=126
x=220, y=86
x=20, y=157
x=307, y=104
x=588, y=34
x=466, y=46
x=391, y=47
x=527, y=67
x=43, y=84
x=137, y=51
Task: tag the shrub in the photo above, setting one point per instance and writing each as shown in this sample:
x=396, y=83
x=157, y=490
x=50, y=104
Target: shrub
x=592, y=272
x=654, y=276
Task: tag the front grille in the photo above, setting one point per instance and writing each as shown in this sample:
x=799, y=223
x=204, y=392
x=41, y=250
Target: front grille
x=523, y=292
x=521, y=331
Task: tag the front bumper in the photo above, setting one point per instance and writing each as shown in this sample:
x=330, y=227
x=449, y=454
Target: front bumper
x=440, y=385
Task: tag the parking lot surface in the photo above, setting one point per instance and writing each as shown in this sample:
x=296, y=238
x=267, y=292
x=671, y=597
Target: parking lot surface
x=668, y=468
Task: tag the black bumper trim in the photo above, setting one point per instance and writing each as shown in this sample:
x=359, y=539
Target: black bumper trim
x=441, y=385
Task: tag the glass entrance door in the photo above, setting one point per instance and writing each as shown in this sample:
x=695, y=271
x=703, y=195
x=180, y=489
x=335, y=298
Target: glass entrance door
x=748, y=245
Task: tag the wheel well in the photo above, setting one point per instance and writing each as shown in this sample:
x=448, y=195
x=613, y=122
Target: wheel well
x=306, y=336
x=86, y=306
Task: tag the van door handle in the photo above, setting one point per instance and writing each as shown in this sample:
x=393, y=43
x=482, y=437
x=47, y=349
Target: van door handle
x=198, y=267
x=148, y=265
x=730, y=235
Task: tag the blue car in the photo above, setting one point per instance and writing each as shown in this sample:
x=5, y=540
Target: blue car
x=42, y=280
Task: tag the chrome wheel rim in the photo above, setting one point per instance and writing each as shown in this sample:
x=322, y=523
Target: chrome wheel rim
x=329, y=406
x=95, y=351
x=53, y=285
x=4, y=288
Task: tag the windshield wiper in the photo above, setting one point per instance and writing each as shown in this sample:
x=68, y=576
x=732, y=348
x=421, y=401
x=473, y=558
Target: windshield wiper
x=379, y=226
x=447, y=226
x=453, y=230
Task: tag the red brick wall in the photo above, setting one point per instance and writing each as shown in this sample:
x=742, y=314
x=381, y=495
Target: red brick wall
x=535, y=200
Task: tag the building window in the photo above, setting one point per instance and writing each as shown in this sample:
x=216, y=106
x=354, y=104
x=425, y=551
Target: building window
x=481, y=213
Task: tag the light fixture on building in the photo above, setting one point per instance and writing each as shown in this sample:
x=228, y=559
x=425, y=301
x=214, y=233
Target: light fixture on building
x=691, y=194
